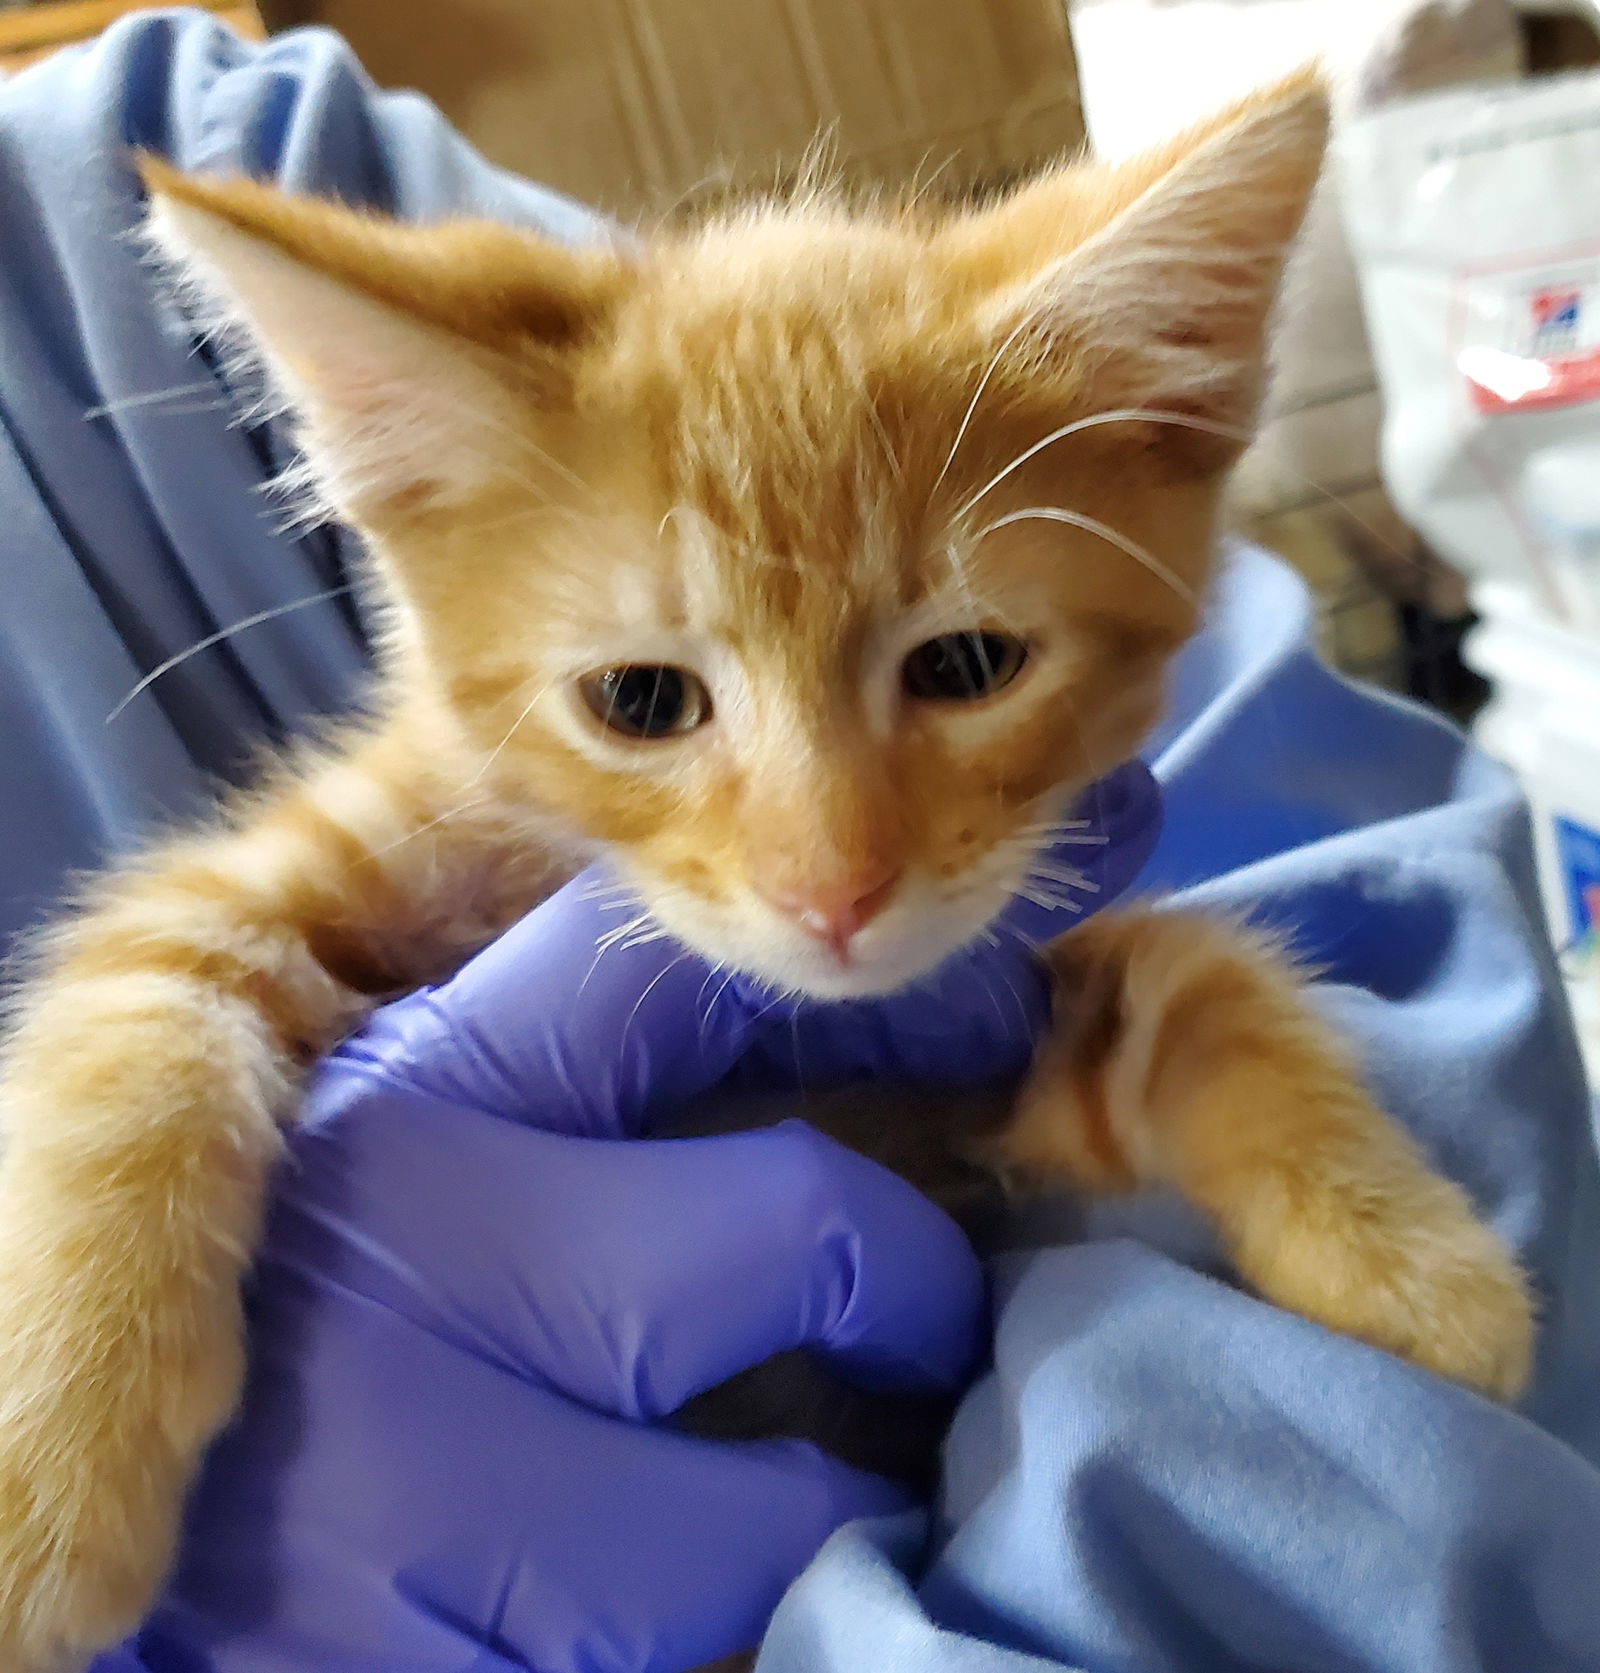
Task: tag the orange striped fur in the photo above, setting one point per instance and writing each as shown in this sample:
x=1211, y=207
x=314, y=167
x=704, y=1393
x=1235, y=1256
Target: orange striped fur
x=781, y=449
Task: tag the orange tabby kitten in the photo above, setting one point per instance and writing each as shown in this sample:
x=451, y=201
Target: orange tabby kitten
x=774, y=455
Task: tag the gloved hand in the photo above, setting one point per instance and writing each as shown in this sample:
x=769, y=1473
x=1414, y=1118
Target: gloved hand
x=477, y=1296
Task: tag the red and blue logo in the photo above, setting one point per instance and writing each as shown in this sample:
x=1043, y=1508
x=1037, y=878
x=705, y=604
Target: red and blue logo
x=1555, y=314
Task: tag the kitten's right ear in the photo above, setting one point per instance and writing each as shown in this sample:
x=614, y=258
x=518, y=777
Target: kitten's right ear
x=417, y=358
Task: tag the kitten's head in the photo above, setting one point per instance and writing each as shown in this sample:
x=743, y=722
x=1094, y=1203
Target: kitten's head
x=809, y=561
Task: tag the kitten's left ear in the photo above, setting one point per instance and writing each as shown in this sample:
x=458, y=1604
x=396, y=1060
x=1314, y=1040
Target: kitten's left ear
x=416, y=358
x=1152, y=283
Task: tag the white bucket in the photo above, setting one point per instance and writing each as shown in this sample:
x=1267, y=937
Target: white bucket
x=1543, y=722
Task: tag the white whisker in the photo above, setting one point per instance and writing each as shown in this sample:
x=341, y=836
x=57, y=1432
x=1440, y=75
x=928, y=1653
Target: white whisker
x=638, y=1005
x=1230, y=432
x=152, y=397
x=1205, y=427
x=619, y=933
x=1152, y=415
x=643, y=939
x=716, y=999
x=432, y=824
x=511, y=732
x=599, y=953
x=623, y=903
x=545, y=460
x=225, y=633
x=1119, y=415
x=1042, y=839
x=712, y=972
x=472, y=783
x=1092, y=525
x=994, y=1000
x=1069, y=877
x=1044, y=878
x=974, y=500
x=972, y=407
x=1037, y=895
x=875, y=419
x=1022, y=1009
x=603, y=888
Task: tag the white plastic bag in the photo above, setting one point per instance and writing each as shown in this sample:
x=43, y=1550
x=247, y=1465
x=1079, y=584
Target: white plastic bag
x=1474, y=217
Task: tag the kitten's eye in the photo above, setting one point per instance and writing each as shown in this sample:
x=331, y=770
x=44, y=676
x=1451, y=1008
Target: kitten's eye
x=957, y=667
x=647, y=700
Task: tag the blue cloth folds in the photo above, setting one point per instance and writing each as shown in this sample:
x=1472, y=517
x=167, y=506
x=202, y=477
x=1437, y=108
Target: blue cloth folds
x=1164, y=1475
x=136, y=522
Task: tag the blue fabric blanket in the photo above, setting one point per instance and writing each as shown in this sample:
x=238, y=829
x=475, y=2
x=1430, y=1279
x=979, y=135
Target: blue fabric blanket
x=1161, y=1475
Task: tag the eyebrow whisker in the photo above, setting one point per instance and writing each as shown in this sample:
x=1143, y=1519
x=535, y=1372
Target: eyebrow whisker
x=1092, y=525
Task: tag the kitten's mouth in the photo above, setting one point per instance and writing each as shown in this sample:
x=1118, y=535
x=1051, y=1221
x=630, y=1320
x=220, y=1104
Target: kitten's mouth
x=838, y=947
x=911, y=937
x=917, y=927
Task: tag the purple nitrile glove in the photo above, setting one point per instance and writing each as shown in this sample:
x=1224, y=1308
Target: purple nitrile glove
x=477, y=1296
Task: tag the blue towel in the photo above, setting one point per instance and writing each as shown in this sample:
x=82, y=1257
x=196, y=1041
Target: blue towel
x=1164, y=1475
x=1161, y=1475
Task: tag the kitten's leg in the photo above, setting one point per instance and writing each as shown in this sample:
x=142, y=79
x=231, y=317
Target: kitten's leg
x=156, y=1051
x=1186, y=1055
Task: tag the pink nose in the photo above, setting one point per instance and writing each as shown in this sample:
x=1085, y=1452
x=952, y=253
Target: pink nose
x=837, y=910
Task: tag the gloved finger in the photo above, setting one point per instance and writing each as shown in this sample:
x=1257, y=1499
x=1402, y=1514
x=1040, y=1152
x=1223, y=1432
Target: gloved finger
x=384, y=1491
x=630, y=1275
x=565, y=1023
x=730, y=1529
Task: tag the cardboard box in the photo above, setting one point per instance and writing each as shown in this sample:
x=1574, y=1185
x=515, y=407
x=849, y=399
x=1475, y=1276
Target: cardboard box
x=638, y=105
x=31, y=32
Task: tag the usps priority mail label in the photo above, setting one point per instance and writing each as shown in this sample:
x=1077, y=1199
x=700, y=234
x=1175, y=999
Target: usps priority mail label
x=1578, y=856
x=1530, y=340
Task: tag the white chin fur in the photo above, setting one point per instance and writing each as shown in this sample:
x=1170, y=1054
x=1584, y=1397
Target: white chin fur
x=910, y=940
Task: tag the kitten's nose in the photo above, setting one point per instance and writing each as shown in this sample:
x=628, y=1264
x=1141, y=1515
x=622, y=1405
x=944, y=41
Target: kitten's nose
x=838, y=909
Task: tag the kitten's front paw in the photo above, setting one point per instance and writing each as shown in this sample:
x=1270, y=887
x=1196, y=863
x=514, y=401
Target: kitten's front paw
x=1423, y=1279
x=86, y=1531
x=94, y=1465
